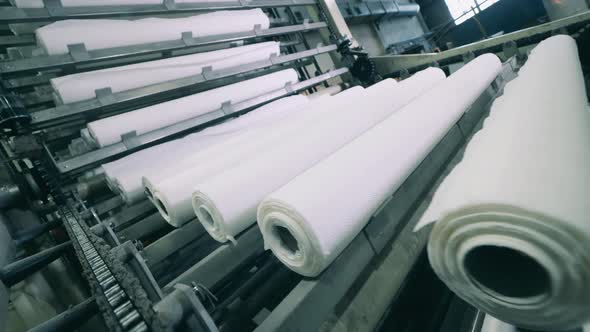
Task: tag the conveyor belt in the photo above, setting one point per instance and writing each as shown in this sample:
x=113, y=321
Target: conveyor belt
x=124, y=305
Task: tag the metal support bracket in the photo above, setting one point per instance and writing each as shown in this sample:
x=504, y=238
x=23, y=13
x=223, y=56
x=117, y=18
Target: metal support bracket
x=188, y=39
x=129, y=140
x=54, y=7
x=467, y=57
x=181, y=303
x=105, y=96
x=273, y=59
x=170, y=4
x=227, y=108
x=208, y=74
x=79, y=52
x=289, y=88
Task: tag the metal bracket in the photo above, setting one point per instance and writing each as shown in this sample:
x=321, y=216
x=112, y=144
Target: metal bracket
x=467, y=57
x=79, y=52
x=306, y=25
x=188, y=39
x=105, y=96
x=181, y=302
x=129, y=140
x=54, y=7
x=289, y=88
x=227, y=108
x=208, y=74
x=510, y=49
x=170, y=4
x=273, y=59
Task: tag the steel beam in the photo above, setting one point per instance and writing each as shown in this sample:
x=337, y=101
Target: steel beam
x=387, y=64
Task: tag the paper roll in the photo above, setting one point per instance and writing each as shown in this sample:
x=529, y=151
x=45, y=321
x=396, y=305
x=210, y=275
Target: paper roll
x=109, y=130
x=512, y=235
x=107, y=33
x=309, y=221
x=124, y=176
x=491, y=324
x=82, y=86
x=225, y=213
x=173, y=187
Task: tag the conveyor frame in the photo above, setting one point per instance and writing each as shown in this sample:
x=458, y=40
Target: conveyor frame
x=120, y=226
x=54, y=10
x=78, y=55
x=204, y=81
x=88, y=159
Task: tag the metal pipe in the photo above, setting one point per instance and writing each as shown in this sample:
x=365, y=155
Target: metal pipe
x=70, y=319
x=283, y=278
x=7, y=245
x=9, y=195
x=407, y=9
x=28, y=235
x=17, y=271
x=248, y=286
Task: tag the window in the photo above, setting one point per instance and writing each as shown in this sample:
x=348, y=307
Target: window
x=462, y=10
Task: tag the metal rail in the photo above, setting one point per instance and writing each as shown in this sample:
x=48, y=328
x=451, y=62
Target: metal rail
x=54, y=11
x=96, y=156
x=47, y=117
x=387, y=64
x=7, y=41
x=78, y=54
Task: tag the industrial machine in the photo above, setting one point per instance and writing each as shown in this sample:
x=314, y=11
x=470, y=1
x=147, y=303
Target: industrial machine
x=136, y=273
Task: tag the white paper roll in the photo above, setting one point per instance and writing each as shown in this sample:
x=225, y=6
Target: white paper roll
x=225, y=213
x=125, y=175
x=93, y=3
x=330, y=91
x=512, y=235
x=310, y=220
x=106, y=33
x=82, y=86
x=172, y=189
x=491, y=324
x=109, y=130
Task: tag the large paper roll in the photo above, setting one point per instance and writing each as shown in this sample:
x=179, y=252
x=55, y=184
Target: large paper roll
x=82, y=86
x=125, y=175
x=243, y=146
x=106, y=33
x=491, y=324
x=172, y=189
x=225, y=213
x=94, y=3
x=512, y=235
x=311, y=219
x=109, y=130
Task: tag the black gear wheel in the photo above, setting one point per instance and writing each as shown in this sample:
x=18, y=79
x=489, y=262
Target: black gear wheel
x=363, y=69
